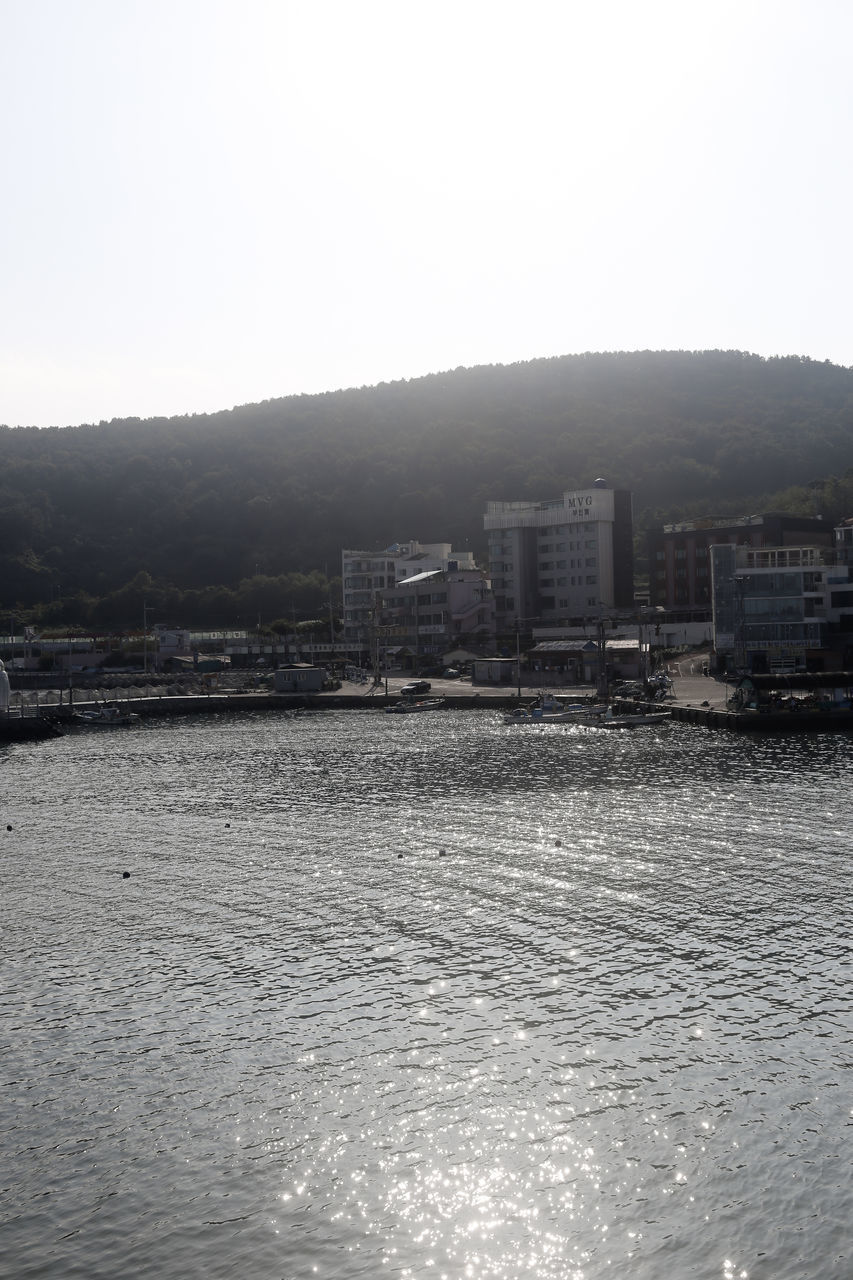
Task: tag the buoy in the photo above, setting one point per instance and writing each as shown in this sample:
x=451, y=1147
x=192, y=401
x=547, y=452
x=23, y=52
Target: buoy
x=399, y=855
x=441, y=853
x=228, y=824
x=125, y=875
x=8, y=826
x=558, y=844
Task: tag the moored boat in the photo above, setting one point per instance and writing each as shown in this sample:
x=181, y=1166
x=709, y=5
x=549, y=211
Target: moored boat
x=630, y=720
x=406, y=707
x=106, y=716
x=550, y=710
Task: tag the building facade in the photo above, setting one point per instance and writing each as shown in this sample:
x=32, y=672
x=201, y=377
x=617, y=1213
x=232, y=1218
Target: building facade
x=680, y=554
x=784, y=608
x=364, y=574
x=426, y=616
x=561, y=559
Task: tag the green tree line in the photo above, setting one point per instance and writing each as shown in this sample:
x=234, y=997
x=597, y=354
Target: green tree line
x=208, y=510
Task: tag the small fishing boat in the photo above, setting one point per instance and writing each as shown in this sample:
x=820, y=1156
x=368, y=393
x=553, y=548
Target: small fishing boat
x=550, y=710
x=108, y=716
x=406, y=707
x=630, y=720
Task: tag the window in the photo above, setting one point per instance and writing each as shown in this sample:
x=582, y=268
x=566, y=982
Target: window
x=591, y=579
x=590, y=562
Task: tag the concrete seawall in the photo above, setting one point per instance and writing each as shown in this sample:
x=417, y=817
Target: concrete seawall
x=700, y=702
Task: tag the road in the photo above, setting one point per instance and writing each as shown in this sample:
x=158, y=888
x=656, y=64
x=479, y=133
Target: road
x=689, y=690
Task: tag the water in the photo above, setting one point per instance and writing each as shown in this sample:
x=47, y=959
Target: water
x=425, y=996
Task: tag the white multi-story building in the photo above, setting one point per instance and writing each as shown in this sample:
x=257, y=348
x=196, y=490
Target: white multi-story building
x=364, y=574
x=561, y=559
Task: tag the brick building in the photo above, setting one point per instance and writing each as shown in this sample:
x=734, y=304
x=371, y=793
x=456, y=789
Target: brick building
x=679, y=554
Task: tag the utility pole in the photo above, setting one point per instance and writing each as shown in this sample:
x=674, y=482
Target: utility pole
x=602, y=661
x=144, y=637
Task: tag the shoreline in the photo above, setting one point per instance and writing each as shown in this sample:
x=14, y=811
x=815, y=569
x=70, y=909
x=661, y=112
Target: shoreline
x=696, y=700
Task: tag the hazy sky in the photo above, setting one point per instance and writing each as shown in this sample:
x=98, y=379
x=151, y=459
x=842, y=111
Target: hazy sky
x=212, y=202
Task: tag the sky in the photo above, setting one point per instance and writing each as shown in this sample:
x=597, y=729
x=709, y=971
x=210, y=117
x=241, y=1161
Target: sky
x=208, y=203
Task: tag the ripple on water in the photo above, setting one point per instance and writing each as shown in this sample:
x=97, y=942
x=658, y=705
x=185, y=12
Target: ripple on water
x=593, y=1021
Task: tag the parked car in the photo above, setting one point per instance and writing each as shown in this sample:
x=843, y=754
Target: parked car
x=416, y=686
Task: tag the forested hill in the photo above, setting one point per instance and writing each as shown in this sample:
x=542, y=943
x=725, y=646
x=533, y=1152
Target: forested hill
x=281, y=486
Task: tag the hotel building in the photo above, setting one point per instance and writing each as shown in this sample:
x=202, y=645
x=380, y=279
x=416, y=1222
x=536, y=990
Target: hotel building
x=561, y=560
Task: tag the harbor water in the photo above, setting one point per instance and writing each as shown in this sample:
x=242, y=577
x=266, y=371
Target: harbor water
x=342, y=994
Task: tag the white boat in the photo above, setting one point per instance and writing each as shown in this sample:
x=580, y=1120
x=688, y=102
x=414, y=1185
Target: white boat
x=630, y=720
x=550, y=710
x=406, y=707
x=106, y=716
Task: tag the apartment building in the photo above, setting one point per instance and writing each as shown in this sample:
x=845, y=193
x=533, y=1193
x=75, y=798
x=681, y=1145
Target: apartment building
x=784, y=608
x=364, y=574
x=680, y=554
x=561, y=559
x=434, y=612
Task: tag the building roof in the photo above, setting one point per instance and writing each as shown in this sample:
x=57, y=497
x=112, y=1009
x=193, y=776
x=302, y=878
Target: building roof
x=417, y=577
x=578, y=646
x=798, y=680
x=705, y=523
